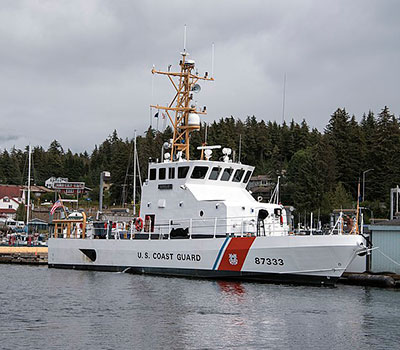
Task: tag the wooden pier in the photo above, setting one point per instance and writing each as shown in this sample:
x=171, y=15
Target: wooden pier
x=24, y=255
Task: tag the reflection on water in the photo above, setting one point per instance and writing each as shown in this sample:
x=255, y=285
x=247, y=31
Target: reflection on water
x=61, y=309
x=232, y=288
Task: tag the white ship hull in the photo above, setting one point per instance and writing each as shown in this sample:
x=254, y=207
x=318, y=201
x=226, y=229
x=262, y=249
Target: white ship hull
x=286, y=259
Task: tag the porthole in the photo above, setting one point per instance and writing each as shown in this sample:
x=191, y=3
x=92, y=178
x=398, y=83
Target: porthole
x=201, y=213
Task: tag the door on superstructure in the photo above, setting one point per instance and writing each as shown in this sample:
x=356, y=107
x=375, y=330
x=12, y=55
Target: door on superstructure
x=149, y=220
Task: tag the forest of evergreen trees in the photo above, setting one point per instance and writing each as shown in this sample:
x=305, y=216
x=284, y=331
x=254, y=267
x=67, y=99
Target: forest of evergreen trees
x=319, y=171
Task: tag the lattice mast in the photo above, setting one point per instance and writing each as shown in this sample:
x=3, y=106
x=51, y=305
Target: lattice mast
x=182, y=111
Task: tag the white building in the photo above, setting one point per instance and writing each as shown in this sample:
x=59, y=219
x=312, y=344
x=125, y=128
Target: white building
x=11, y=196
x=49, y=183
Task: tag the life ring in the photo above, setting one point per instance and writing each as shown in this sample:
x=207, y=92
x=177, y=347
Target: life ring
x=139, y=224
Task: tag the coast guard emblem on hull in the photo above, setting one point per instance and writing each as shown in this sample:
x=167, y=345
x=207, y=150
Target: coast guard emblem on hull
x=233, y=260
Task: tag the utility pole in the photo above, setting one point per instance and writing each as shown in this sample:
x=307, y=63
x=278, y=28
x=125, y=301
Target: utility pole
x=364, y=172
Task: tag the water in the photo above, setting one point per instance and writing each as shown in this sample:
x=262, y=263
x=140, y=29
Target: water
x=44, y=308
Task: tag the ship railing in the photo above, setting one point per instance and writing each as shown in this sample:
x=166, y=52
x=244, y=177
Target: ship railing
x=213, y=227
x=192, y=228
x=210, y=227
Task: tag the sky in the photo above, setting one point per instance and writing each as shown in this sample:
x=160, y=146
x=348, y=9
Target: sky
x=76, y=70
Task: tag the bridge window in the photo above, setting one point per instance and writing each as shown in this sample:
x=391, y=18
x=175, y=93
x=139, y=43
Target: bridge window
x=238, y=175
x=161, y=174
x=171, y=173
x=214, y=173
x=247, y=177
x=182, y=172
x=153, y=174
x=199, y=172
x=226, y=174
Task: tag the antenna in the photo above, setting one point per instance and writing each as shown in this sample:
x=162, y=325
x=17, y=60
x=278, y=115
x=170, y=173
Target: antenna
x=212, y=60
x=184, y=38
x=196, y=88
x=152, y=98
x=186, y=118
x=284, y=98
x=240, y=147
x=275, y=195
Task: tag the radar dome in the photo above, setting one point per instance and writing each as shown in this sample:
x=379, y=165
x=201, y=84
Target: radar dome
x=193, y=119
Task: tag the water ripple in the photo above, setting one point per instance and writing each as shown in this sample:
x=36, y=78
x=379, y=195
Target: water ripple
x=44, y=308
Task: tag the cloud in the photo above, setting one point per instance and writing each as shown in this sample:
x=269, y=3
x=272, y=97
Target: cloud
x=76, y=70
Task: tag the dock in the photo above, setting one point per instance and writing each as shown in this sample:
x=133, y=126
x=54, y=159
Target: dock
x=383, y=280
x=24, y=255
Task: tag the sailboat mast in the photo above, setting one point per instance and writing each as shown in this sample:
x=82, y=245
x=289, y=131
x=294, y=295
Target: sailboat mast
x=29, y=184
x=134, y=175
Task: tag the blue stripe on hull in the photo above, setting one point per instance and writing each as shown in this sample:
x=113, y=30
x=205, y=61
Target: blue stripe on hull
x=220, y=252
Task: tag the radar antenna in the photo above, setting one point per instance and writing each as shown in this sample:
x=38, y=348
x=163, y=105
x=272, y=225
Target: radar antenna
x=181, y=111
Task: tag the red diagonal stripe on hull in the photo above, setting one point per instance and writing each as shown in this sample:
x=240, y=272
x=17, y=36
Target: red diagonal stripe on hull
x=239, y=247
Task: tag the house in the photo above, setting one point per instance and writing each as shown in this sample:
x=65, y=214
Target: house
x=261, y=187
x=11, y=196
x=260, y=181
x=50, y=182
x=62, y=185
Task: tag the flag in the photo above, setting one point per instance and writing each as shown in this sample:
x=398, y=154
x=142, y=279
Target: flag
x=56, y=205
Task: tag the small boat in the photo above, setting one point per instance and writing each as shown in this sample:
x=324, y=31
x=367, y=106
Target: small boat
x=198, y=220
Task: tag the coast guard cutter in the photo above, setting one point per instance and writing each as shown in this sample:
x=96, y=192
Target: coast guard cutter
x=198, y=220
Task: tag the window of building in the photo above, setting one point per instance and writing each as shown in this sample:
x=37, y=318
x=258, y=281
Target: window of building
x=238, y=175
x=182, y=172
x=6, y=199
x=153, y=174
x=171, y=173
x=10, y=206
x=247, y=177
x=226, y=174
x=161, y=173
x=199, y=172
x=215, y=173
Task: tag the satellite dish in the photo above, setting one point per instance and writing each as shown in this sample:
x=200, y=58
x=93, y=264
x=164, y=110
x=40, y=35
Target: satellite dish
x=196, y=88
